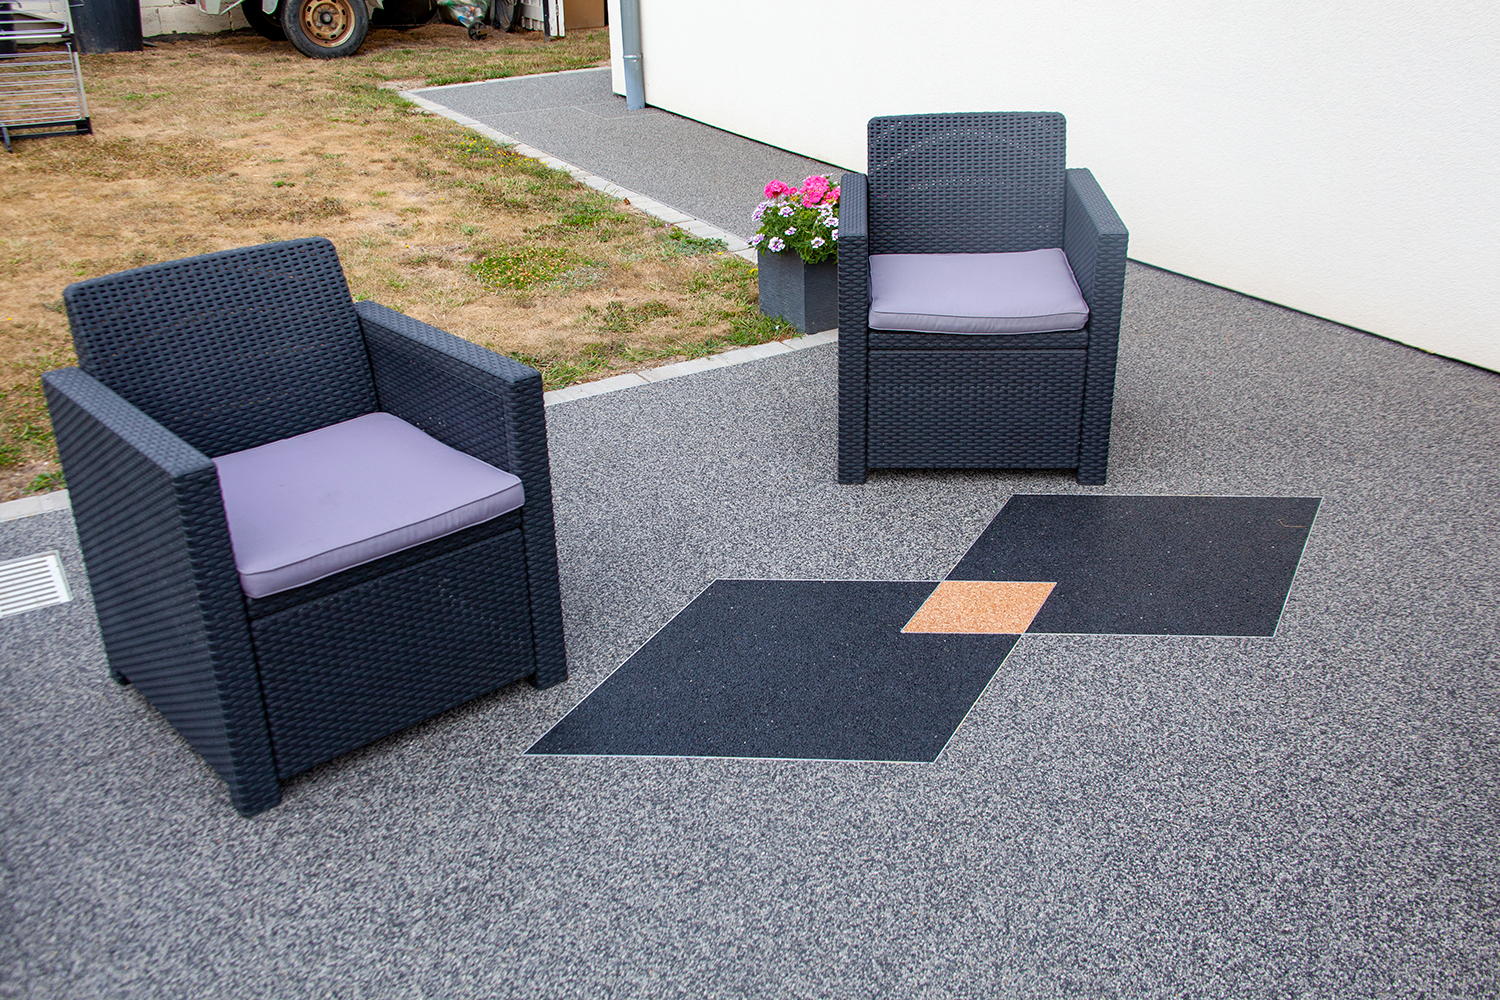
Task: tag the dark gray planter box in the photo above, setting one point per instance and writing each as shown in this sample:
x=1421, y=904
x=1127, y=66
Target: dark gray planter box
x=805, y=295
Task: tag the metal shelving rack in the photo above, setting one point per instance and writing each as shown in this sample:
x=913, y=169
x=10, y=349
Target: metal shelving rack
x=41, y=90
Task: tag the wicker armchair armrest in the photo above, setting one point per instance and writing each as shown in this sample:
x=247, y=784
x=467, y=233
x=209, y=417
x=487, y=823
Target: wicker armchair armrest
x=152, y=528
x=468, y=397
x=854, y=253
x=486, y=405
x=1095, y=240
x=854, y=320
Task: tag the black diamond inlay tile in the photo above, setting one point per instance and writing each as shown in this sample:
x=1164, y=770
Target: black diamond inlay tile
x=791, y=669
x=1149, y=565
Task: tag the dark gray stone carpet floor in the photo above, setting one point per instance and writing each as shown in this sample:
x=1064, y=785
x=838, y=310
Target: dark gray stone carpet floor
x=1310, y=814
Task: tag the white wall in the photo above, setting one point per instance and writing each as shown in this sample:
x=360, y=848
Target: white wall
x=1338, y=157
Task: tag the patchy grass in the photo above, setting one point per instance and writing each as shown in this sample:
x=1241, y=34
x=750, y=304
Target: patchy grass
x=526, y=266
x=207, y=144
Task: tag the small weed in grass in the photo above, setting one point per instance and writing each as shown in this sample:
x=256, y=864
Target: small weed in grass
x=477, y=151
x=681, y=243
x=25, y=431
x=525, y=267
x=618, y=318
x=591, y=212
x=557, y=372
x=47, y=482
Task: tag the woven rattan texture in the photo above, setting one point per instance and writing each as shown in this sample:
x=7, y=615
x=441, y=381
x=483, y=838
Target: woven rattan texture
x=1096, y=243
x=349, y=668
x=975, y=409
x=910, y=400
x=152, y=530
x=966, y=183
x=453, y=389
x=854, y=324
x=491, y=407
x=884, y=340
x=229, y=350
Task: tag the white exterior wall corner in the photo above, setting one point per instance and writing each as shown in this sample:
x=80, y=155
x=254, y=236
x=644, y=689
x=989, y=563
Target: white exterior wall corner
x=1338, y=158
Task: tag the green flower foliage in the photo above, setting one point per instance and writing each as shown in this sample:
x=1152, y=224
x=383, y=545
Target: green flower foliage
x=804, y=219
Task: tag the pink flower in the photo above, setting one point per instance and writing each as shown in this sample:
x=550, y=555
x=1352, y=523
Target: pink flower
x=777, y=188
x=813, y=190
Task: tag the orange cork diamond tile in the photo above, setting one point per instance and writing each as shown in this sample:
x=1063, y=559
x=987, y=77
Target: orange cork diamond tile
x=980, y=607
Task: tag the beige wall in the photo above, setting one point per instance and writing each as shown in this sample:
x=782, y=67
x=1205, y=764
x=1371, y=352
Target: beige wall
x=1338, y=157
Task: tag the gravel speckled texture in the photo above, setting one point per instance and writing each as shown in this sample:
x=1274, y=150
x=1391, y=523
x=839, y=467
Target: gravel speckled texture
x=1313, y=814
x=575, y=117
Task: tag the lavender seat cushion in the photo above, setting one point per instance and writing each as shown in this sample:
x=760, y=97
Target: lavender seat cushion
x=986, y=293
x=343, y=495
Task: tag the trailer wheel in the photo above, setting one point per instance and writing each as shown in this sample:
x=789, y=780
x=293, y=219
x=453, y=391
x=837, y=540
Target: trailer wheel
x=265, y=25
x=325, y=29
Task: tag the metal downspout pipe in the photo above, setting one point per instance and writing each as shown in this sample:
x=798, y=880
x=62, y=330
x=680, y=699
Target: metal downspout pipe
x=630, y=42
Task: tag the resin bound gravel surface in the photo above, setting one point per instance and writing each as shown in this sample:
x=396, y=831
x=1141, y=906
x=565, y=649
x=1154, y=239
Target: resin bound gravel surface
x=1312, y=813
x=575, y=117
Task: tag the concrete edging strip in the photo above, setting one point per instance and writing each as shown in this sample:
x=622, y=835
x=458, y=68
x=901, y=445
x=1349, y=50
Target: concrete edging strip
x=41, y=504
x=681, y=368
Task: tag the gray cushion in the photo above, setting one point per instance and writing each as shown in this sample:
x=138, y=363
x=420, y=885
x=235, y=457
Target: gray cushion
x=987, y=293
x=322, y=502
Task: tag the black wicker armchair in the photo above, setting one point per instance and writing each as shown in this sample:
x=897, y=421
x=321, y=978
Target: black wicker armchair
x=939, y=375
x=220, y=399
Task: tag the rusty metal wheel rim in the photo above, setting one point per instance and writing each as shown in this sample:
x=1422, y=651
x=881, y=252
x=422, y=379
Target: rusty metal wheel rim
x=328, y=22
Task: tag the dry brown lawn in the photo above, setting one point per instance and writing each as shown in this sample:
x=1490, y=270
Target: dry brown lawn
x=207, y=144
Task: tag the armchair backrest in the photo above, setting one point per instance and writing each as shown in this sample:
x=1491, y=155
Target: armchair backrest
x=967, y=183
x=229, y=350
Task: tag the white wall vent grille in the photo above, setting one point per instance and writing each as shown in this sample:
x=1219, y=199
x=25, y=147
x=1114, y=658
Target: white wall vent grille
x=30, y=583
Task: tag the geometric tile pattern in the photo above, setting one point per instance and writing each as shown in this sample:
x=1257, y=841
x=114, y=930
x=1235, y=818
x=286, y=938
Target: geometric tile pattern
x=1148, y=565
x=791, y=669
x=975, y=607
x=860, y=670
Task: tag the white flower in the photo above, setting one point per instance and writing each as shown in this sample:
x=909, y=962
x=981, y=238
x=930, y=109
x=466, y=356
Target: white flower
x=790, y=230
x=816, y=242
x=835, y=235
x=776, y=245
x=786, y=210
x=834, y=222
x=760, y=210
x=757, y=238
